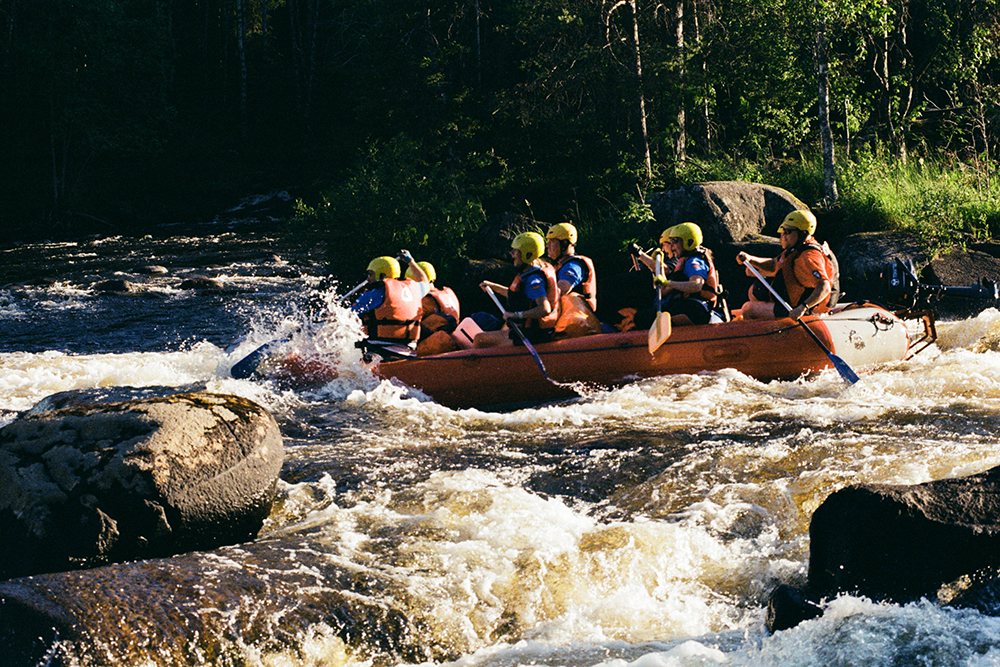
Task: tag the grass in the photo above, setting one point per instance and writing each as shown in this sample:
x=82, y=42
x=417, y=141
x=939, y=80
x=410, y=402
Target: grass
x=943, y=200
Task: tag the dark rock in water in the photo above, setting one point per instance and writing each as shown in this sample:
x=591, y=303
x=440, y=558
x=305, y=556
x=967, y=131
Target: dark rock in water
x=901, y=543
x=152, y=270
x=980, y=591
x=85, y=485
x=114, y=285
x=207, y=608
x=200, y=283
x=788, y=606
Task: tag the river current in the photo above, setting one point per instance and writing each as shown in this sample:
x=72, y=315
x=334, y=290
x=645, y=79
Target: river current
x=642, y=526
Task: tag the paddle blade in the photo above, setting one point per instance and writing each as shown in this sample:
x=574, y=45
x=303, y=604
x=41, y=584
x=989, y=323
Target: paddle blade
x=659, y=332
x=845, y=371
x=247, y=366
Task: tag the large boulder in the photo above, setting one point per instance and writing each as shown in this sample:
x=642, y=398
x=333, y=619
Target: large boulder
x=726, y=211
x=900, y=543
x=84, y=485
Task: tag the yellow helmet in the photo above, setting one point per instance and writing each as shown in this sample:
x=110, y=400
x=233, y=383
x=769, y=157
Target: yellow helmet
x=530, y=244
x=665, y=236
x=564, y=231
x=689, y=234
x=384, y=267
x=428, y=269
x=804, y=221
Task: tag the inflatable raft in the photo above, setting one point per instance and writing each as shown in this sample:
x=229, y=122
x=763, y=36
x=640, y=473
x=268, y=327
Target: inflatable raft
x=860, y=335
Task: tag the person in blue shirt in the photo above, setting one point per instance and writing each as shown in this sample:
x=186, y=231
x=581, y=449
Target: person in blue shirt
x=532, y=298
x=390, y=307
x=689, y=288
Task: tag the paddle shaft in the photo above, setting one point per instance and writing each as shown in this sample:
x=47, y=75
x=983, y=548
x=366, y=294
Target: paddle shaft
x=351, y=293
x=845, y=371
x=524, y=339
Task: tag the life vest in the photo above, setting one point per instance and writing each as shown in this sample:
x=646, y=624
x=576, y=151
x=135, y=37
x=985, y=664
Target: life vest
x=710, y=290
x=398, y=318
x=518, y=301
x=447, y=302
x=790, y=285
x=587, y=288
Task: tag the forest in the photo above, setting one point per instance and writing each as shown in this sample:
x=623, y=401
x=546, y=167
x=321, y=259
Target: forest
x=412, y=123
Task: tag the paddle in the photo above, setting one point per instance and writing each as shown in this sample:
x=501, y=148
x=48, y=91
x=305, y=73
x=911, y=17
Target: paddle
x=845, y=371
x=660, y=331
x=247, y=366
x=527, y=344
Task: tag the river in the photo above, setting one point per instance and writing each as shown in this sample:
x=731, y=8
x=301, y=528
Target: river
x=643, y=526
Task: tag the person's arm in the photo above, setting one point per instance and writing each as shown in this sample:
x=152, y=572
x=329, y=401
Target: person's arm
x=817, y=296
x=569, y=276
x=767, y=267
x=541, y=309
x=369, y=299
x=499, y=290
x=418, y=271
x=692, y=285
x=810, y=267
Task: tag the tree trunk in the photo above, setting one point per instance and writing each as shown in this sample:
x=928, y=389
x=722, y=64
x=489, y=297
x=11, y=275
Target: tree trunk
x=642, y=138
x=241, y=52
x=680, y=148
x=479, y=45
x=704, y=107
x=830, y=194
x=263, y=31
x=304, y=16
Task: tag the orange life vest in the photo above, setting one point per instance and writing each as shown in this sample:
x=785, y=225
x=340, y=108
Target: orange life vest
x=710, y=290
x=398, y=318
x=587, y=288
x=518, y=301
x=794, y=291
x=447, y=302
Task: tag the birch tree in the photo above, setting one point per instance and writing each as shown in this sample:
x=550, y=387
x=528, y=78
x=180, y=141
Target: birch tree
x=634, y=67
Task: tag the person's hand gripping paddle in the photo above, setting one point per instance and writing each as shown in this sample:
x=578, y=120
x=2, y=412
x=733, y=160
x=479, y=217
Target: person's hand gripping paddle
x=845, y=371
x=660, y=331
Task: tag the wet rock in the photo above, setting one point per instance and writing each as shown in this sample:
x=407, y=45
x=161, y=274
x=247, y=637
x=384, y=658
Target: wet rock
x=152, y=270
x=85, y=485
x=95, y=395
x=788, y=606
x=200, y=283
x=114, y=285
x=980, y=591
x=901, y=543
x=271, y=595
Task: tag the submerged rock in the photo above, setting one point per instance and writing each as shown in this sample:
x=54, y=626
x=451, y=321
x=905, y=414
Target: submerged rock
x=200, y=283
x=85, y=485
x=115, y=285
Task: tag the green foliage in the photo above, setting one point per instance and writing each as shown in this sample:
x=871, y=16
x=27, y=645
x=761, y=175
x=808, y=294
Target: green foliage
x=461, y=111
x=939, y=198
x=397, y=196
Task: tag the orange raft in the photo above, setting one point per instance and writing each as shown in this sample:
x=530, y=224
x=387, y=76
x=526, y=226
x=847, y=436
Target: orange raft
x=860, y=335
